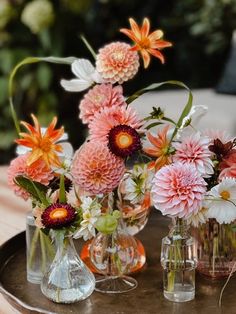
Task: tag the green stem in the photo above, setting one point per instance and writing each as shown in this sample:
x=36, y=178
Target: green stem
x=33, y=247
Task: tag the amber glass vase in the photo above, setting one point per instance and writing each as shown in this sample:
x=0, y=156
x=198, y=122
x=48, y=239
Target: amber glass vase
x=216, y=249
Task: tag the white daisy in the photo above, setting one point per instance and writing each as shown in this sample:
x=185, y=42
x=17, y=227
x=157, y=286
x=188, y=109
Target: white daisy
x=222, y=201
x=86, y=75
x=91, y=212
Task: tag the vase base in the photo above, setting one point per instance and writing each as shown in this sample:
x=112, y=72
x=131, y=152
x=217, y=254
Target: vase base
x=181, y=293
x=34, y=278
x=114, y=285
x=141, y=259
x=219, y=274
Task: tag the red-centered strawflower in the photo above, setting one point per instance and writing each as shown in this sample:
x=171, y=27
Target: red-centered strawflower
x=148, y=44
x=58, y=215
x=160, y=149
x=43, y=146
x=123, y=141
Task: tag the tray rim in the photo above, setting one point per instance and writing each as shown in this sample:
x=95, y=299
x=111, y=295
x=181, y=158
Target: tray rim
x=10, y=298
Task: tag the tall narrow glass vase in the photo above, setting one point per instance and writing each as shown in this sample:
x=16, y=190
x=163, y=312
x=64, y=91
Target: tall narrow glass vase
x=40, y=251
x=68, y=279
x=179, y=262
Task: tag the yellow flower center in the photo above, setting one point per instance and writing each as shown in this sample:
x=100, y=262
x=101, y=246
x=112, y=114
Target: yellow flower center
x=124, y=140
x=225, y=195
x=145, y=43
x=58, y=213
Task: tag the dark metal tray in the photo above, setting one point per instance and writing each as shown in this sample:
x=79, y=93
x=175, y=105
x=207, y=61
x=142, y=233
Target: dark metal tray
x=146, y=299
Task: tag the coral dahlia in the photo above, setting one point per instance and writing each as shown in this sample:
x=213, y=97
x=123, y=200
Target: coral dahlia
x=38, y=171
x=58, y=215
x=98, y=98
x=95, y=169
x=178, y=190
x=194, y=149
x=108, y=118
x=117, y=63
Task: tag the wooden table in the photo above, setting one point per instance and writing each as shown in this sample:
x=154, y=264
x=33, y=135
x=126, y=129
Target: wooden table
x=12, y=221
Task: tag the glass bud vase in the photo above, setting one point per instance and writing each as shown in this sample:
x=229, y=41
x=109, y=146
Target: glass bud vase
x=179, y=262
x=68, y=279
x=40, y=251
x=216, y=249
x=113, y=255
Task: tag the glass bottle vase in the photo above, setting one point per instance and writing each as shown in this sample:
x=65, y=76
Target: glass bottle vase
x=216, y=249
x=179, y=262
x=68, y=279
x=40, y=251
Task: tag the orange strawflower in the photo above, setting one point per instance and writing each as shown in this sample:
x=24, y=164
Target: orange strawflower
x=146, y=43
x=43, y=146
x=160, y=150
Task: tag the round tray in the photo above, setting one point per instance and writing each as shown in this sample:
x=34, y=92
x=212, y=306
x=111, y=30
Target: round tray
x=146, y=299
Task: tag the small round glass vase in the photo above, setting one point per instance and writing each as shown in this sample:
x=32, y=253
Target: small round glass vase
x=40, y=250
x=112, y=256
x=179, y=262
x=216, y=249
x=68, y=280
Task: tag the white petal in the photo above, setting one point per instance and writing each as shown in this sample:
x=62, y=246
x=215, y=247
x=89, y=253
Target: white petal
x=67, y=150
x=75, y=85
x=83, y=69
x=96, y=77
x=21, y=150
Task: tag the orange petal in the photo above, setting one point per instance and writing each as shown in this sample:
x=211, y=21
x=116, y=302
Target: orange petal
x=36, y=124
x=151, y=165
x=156, y=35
x=157, y=54
x=145, y=27
x=35, y=155
x=160, y=44
x=135, y=28
x=151, y=151
x=146, y=58
x=129, y=33
x=29, y=127
x=153, y=140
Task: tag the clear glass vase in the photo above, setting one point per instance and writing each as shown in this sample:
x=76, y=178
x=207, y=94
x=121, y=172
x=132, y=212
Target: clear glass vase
x=179, y=261
x=113, y=255
x=40, y=251
x=68, y=279
x=216, y=249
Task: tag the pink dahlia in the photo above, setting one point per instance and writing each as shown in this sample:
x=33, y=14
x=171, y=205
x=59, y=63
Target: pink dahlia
x=95, y=169
x=38, y=171
x=108, y=118
x=117, y=63
x=194, y=149
x=178, y=190
x=98, y=98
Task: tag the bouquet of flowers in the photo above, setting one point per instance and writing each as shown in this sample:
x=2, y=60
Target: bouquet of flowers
x=123, y=167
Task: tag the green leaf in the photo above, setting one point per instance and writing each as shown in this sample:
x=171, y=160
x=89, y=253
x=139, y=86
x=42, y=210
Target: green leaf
x=152, y=125
x=62, y=190
x=35, y=189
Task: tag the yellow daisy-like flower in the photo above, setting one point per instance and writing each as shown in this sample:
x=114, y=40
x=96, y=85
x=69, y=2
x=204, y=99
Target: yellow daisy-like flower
x=42, y=145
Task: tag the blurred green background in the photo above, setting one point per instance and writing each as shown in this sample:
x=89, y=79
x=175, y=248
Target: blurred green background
x=201, y=31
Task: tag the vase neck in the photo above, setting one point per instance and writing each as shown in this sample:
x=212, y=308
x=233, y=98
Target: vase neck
x=179, y=228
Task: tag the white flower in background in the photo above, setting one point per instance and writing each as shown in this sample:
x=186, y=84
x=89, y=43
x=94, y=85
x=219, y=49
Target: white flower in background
x=86, y=75
x=213, y=134
x=91, y=212
x=136, y=183
x=191, y=121
x=200, y=217
x=38, y=15
x=222, y=201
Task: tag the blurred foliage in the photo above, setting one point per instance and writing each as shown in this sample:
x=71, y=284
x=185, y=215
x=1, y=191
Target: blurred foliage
x=201, y=31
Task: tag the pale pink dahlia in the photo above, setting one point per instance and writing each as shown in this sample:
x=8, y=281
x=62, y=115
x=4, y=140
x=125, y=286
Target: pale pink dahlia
x=38, y=171
x=108, y=118
x=194, y=149
x=95, y=169
x=117, y=63
x=223, y=136
x=178, y=190
x=98, y=98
